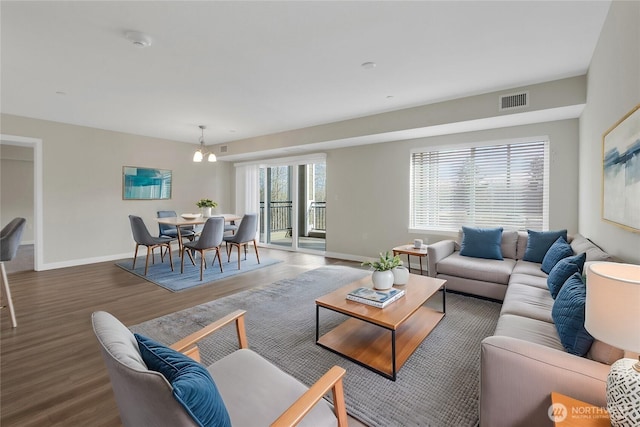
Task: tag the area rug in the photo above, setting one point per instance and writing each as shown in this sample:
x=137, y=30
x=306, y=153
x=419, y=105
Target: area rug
x=160, y=273
x=437, y=386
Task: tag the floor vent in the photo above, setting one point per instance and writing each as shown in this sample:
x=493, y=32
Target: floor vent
x=223, y=148
x=513, y=100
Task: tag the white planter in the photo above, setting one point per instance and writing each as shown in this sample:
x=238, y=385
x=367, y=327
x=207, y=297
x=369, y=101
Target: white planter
x=382, y=279
x=400, y=275
x=206, y=212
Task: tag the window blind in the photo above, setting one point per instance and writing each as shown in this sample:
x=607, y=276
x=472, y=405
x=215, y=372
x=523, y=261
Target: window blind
x=483, y=186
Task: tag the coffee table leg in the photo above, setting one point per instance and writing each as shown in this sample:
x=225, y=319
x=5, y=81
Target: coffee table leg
x=393, y=354
x=317, y=323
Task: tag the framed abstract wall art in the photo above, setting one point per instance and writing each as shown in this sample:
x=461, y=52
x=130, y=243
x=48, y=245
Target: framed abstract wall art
x=621, y=172
x=145, y=183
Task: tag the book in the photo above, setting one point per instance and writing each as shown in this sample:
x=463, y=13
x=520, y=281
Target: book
x=375, y=297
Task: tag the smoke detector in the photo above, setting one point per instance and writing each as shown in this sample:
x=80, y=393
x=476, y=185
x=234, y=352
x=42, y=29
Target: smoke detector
x=138, y=39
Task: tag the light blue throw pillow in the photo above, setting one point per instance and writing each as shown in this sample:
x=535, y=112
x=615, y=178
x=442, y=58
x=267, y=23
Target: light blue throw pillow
x=559, y=250
x=192, y=384
x=481, y=242
x=568, y=316
x=539, y=242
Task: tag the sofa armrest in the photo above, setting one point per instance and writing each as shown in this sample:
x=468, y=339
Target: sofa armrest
x=517, y=378
x=436, y=252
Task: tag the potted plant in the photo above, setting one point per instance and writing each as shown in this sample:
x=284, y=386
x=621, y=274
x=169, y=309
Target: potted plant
x=206, y=205
x=382, y=277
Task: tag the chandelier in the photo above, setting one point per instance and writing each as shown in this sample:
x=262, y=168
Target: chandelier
x=200, y=153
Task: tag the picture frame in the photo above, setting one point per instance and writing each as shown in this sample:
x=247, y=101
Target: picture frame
x=621, y=172
x=139, y=183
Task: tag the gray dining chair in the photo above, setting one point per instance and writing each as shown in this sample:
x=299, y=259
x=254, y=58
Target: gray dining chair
x=210, y=239
x=142, y=237
x=186, y=231
x=10, y=237
x=246, y=234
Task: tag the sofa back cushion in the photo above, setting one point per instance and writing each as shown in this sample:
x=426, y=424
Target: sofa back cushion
x=581, y=244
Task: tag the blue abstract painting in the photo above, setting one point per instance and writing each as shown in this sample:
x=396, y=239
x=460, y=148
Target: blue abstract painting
x=145, y=183
x=621, y=172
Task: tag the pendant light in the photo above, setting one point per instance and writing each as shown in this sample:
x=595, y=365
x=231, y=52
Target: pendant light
x=200, y=153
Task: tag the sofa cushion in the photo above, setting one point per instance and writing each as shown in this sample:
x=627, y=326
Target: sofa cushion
x=528, y=301
x=562, y=271
x=581, y=244
x=604, y=353
x=528, y=329
x=192, y=384
x=257, y=392
x=481, y=242
x=559, y=250
x=529, y=268
x=509, y=243
x=521, y=246
x=488, y=270
x=568, y=315
x=529, y=280
x=539, y=242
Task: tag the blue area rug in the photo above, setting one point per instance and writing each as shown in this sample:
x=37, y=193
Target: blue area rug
x=160, y=273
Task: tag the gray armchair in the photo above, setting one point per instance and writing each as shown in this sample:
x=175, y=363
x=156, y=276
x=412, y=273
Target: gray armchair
x=142, y=237
x=246, y=234
x=254, y=392
x=10, y=237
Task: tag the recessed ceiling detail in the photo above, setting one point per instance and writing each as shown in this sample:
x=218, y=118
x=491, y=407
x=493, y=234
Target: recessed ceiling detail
x=138, y=39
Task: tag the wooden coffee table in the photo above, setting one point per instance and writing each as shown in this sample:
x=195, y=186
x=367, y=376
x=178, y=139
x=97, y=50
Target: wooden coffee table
x=381, y=339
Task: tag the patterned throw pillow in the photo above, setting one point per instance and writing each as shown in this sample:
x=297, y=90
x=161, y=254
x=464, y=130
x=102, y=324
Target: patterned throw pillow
x=568, y=315
x=192, y=384
x=559, y=250
x=564, y=269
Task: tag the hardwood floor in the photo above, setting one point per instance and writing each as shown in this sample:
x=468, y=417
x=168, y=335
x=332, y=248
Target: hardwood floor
x=52, y=373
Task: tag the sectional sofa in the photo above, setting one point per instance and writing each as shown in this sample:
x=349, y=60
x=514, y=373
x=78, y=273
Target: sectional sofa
x=525, y=360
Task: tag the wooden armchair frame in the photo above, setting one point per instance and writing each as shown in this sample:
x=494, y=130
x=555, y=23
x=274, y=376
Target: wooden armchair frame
x=332, y=380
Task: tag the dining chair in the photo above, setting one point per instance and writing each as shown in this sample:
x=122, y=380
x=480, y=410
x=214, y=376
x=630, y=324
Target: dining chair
x=142, y=237
x=10, y=237
x=166, y=230
x=246, y=234
x=210, y=239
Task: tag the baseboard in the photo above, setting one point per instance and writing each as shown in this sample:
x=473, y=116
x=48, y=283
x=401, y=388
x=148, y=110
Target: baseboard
x=83, y=261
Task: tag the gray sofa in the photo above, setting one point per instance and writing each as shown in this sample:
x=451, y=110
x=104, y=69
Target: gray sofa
x=524, y=361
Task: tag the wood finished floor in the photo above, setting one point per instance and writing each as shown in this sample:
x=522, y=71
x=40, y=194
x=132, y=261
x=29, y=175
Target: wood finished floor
x=51, y=370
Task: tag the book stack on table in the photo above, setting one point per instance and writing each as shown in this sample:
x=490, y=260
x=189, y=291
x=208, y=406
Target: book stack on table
x=375, y=297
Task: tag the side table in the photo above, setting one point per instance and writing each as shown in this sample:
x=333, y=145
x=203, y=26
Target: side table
x=410, y=250
x=566, y=411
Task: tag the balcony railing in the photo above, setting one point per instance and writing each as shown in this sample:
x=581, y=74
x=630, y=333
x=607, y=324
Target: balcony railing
x=280, y=215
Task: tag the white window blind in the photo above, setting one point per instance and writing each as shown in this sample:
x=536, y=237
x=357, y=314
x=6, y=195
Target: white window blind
x=484, y=186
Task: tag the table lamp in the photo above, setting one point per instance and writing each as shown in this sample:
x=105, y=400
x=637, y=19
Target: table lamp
x=612, y=315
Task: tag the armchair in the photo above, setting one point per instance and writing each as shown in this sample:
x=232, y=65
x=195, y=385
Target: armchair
x=254, y=391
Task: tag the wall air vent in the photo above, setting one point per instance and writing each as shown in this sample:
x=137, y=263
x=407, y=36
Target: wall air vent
x=223, y=148
x=513, y=100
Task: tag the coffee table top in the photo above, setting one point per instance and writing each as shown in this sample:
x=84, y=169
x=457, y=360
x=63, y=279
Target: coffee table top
x=417, y=291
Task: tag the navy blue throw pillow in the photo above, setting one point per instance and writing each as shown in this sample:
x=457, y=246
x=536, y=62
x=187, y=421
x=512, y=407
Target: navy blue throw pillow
x=192, y=384
x=481, y=242
x=539, y=242
x=559, y=250
x=568, y=316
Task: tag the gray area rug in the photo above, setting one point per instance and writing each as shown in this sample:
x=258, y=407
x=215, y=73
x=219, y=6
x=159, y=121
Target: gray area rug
x=438, y=385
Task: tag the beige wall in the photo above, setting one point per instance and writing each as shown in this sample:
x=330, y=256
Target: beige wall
x=613, y=89
x=84, y=217
x=368, y=187
x=16, y=187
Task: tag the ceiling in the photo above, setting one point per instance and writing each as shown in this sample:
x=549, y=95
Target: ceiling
x=246, y=69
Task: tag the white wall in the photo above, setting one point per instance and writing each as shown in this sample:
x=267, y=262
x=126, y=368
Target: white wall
x=368, y=187
x=613, y=89
x=16, y=187
x=85, y=218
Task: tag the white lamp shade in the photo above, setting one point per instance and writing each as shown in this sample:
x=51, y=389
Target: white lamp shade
x=612, y=311
x=212, y=157
x=197, y=156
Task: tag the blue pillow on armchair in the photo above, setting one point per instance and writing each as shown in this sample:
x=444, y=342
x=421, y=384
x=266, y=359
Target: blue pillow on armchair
x=192, y=384
x=539, y=242
x=568, y=315
x=559, y=250
x=481, y=242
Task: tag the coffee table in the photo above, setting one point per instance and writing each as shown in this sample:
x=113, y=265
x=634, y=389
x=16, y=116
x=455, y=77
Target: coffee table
x=381, y=339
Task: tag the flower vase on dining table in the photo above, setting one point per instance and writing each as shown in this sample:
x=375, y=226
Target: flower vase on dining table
x=206, y=212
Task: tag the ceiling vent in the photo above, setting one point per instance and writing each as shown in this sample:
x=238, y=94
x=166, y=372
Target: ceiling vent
x=223, y=148
x=513, y=100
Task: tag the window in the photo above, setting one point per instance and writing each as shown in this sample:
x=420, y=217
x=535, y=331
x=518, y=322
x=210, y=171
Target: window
x=487, y=185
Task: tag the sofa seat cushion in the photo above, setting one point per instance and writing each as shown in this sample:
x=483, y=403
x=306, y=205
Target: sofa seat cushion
x=529, y=280
x=528, y=301
x=488, y=270
x=527, y=329
x=257, y=392
x=529, y=268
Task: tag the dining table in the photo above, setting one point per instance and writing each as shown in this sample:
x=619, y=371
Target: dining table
x=179, y=221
